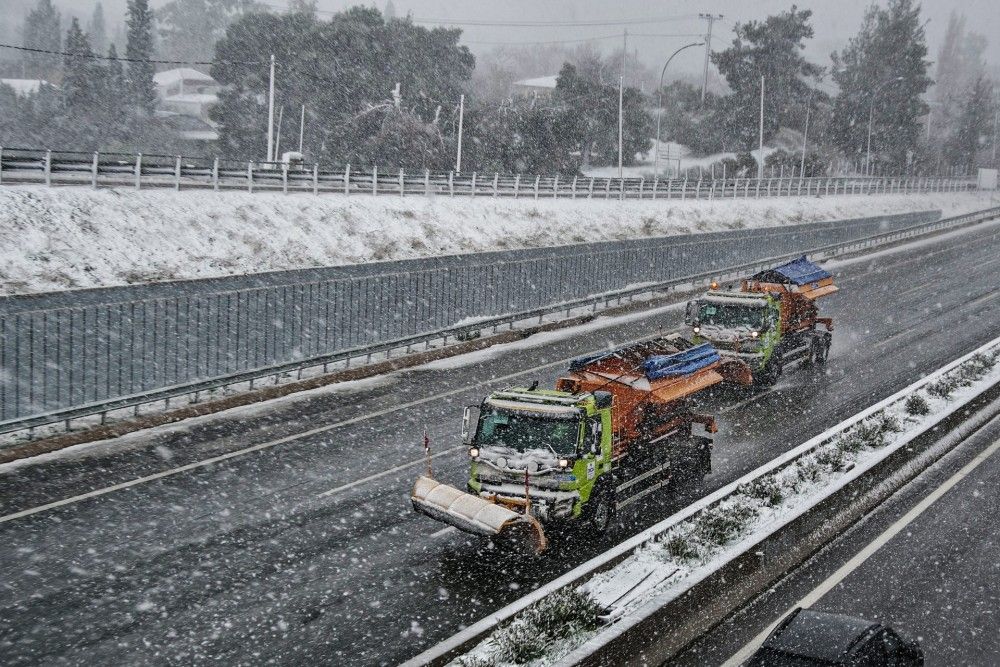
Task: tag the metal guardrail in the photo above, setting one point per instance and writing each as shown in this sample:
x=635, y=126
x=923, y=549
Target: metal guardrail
x=22, y=165
x=365, y=354
x=619, y=632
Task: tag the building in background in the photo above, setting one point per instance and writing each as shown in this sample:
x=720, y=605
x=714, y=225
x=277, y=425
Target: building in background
x=184, y=98
x=543, y=86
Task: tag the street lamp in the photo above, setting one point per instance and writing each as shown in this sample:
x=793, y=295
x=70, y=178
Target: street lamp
x=871, y=115
x=659, y=104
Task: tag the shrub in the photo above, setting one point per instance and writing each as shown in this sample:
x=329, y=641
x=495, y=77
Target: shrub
x=555, y=617
x=916, y=405
x=723, y=523
x=766, y=489
x=681, y=549
x=831, y=457
x=476, y=661
x=808, y=469
x=886, y=423
x=943, y=387
x=518, y=643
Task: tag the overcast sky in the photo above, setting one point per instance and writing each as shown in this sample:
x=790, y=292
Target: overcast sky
x=665, y=24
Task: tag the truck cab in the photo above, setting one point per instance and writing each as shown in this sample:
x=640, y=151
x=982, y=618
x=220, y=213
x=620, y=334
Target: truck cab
x=551, y=447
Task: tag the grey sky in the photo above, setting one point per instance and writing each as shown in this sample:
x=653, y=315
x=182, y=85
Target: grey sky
x=834, y=21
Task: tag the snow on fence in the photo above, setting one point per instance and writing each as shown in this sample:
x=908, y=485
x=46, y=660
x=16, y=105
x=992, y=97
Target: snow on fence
x=597, y=604
x=21, y=165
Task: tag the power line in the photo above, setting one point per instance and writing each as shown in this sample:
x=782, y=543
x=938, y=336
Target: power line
x=92, y=56
x=582, y=39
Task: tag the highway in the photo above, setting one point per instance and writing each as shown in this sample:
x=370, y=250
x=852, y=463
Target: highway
x=301, y=546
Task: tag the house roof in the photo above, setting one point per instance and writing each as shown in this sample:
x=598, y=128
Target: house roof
x=25, y=86
x=196, y=98
x=170, y=76
x=539, y=82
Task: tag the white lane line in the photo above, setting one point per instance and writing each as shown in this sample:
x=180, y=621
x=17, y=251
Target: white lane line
x=847, y=568
x=444, y=531
x=404, y=466
x=289, y=438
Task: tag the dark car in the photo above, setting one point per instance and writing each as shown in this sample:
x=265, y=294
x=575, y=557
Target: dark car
x=808, y=638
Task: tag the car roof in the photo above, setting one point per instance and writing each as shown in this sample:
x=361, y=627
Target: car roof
x=820, y=635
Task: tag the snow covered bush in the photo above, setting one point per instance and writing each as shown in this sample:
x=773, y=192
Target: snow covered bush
x=916, y=406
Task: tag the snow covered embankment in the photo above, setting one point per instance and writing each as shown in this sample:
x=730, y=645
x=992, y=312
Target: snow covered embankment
x=74, y=237
x=669, y=559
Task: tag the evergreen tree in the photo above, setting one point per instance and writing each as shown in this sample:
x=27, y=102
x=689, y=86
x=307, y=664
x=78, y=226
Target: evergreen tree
x=974, y=126
x=882, y=74
x=139, y=51
x=96, y=30
x=81, y=74
x=42, y=31
x=189, y=29
x=772, y=49
x=959, y=65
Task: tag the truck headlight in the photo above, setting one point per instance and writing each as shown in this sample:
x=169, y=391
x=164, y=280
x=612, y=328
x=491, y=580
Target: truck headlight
x=474, y=452
x=754, y=334
x=696, y=329
x=564, y=463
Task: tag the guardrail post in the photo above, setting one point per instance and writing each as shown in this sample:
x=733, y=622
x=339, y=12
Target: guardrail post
x=1, y=164
x=138, y=171
x=48, y=167
x=215, y=174
x=537, y=177
x=756, y=194
x=607, y=189
x=517, y=185
x=177, y=173
x=642, y=184
x=375, y=179
x=451, y=184
x=427, y=182
x=711, y=192
x=621, y=189
x=402, y=189
x=590, y=188
x=347, y=179
x=473, y=184
x=697, y=189
x=555, y=187
x=250, y=176
x=573, y=195
x=656, y=182
x=496, y=182
x=93, y=170
x=284, y=177
x=315, y=178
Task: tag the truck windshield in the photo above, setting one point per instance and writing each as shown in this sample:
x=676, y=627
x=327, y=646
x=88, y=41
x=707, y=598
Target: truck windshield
x=502, y=428
x=731, y=315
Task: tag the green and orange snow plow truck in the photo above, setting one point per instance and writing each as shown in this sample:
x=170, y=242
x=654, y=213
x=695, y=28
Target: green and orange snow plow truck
x=618, y=427
x=770, y=322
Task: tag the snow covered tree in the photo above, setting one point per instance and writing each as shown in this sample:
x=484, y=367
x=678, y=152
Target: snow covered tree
x=773, y=49
x=81, y=73
x=42, y=31
x=96, y=30
x=959, y=65
x=883, y=73
x=189, y=29
x=139, y=51
x=974, y=126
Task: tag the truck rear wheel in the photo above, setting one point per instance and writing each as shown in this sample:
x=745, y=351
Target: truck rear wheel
x=821, y=349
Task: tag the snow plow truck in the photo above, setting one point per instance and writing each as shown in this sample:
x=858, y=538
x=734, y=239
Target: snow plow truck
x=770, y=322
x=617, y=427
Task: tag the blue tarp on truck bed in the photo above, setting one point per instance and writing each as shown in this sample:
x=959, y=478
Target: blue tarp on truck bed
x=799, y=272
x=682, y=363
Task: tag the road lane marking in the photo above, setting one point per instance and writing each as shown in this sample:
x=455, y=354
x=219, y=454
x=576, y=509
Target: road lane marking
x=296, y=436
x=850, y=566
x=404, y=466
x=444, y=531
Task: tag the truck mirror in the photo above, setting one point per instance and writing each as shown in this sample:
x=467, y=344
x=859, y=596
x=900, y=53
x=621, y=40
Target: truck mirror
x=691, y=313
x=469, y=420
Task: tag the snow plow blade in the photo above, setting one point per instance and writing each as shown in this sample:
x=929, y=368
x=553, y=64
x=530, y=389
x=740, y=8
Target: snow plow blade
x=472, y=514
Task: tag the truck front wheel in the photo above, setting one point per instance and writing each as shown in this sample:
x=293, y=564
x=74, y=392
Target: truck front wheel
x=771, y=371
x=602, y=511
x=821, y=349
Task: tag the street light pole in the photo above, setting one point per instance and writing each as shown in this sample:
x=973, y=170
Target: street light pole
x=659, y=104
x=760, y=162
x=871, y=116
x=621, y=98
x=270, y=114
x=805, y=134
x=461, y=122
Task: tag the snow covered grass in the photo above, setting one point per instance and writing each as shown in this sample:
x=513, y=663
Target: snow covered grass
x=670, y=558
x=76, y=237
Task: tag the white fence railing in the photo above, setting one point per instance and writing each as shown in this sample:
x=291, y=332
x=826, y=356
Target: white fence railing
x=18, y=165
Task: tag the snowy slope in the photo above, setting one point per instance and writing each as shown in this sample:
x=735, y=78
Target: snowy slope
x=59, y=238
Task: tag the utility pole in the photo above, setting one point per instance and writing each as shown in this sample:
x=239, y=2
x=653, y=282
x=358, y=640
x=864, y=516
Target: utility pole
x=461, y=120
x=302, y=127
x=996, y=118
x=659, y=109
x=711, y=18
x=621, y=107
x=805, y=134
x=270, y=115
x=760, y=161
